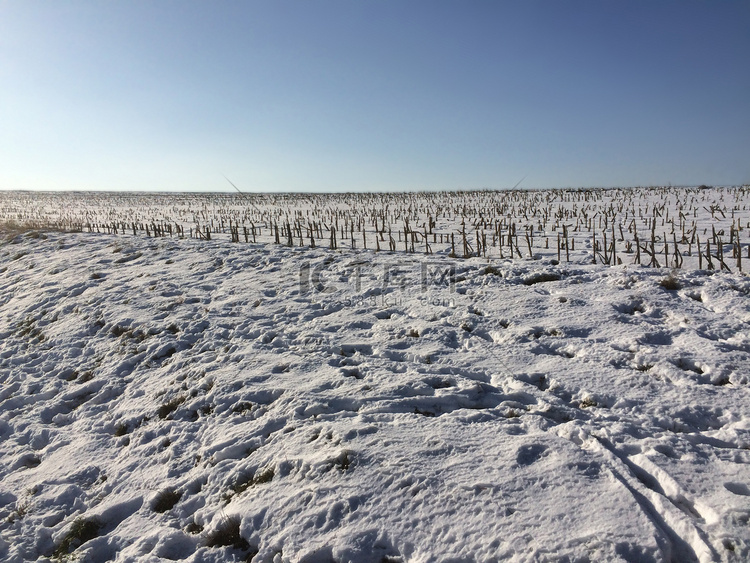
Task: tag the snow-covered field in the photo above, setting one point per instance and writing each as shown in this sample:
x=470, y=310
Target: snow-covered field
x=698, y=227
x=179, y=399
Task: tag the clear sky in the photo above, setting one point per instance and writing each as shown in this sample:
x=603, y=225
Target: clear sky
x=351, y=95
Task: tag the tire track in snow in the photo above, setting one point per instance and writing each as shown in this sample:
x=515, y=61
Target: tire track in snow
x=675, y=521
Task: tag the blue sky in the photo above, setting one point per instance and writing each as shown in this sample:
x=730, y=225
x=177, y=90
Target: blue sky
x=372, y=95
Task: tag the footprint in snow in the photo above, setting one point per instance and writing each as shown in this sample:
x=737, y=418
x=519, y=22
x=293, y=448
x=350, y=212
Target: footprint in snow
x=658, y=338
x=738, y=489
x=530, y=453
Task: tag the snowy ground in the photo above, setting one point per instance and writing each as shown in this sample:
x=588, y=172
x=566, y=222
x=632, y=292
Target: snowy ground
x=166, y=399
x=688, y=228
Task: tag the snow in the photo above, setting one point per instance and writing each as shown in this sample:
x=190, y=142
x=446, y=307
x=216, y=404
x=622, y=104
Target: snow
x=206, y=401
x=659, y=226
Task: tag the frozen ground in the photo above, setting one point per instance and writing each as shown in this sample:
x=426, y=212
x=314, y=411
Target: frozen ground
x=170, y=399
